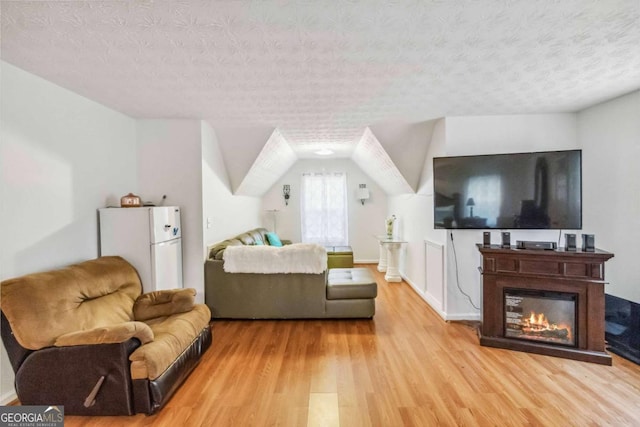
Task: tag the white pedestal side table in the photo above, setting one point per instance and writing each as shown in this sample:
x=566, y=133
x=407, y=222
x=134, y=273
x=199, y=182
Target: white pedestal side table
x=389, y=261
x=382, y=261
x=393, y=262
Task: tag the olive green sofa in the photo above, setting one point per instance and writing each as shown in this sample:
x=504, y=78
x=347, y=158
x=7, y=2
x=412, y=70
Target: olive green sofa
x=274, y=295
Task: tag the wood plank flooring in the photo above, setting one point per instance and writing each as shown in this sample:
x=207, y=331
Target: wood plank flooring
x=406, y=367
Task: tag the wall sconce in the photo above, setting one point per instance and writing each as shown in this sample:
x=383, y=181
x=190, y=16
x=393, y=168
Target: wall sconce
x=362, y=193
x=471, y=204
x=286, y=192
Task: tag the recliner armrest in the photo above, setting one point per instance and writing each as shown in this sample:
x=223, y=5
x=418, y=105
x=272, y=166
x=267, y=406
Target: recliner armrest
x=107, y=335
x=68, y=375
x=164, y=303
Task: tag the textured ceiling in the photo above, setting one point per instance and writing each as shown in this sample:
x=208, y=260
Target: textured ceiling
x=321, y=72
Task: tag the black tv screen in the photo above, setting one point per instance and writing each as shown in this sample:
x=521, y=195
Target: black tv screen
x=540, y=190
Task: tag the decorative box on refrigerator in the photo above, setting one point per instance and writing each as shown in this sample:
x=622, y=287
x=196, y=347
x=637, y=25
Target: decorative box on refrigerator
x=149, y=238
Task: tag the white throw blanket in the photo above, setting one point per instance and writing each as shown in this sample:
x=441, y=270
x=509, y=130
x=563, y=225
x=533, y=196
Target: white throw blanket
x=295, y=258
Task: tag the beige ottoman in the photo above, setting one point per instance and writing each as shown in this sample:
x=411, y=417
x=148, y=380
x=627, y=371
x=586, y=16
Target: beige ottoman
x=351, y=292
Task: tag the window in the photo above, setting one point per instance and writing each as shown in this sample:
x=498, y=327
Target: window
x=485, y=191
x=324, y=209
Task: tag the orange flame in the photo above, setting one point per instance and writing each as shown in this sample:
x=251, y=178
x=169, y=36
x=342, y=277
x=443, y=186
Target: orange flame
x=539, y=320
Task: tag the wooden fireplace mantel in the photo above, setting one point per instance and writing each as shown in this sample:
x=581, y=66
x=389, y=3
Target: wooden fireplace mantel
x=577, y=272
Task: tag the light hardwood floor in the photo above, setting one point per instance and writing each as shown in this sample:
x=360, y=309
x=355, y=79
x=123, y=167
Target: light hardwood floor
x=405, y=367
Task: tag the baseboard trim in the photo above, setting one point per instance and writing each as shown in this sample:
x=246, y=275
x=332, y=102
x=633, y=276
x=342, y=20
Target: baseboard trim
x=425, y=297
x=365, y=261
x=434, y=305
x=463, y=316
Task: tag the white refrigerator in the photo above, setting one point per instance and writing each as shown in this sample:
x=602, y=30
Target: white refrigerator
x=149, y=238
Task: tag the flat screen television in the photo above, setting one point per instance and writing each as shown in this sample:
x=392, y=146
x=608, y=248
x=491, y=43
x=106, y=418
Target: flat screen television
x=540, y=190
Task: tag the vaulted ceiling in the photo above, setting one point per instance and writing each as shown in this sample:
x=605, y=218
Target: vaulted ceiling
x=329, y=74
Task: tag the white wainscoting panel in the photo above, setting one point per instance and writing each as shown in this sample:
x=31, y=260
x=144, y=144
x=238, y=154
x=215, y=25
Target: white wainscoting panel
x=434, y=292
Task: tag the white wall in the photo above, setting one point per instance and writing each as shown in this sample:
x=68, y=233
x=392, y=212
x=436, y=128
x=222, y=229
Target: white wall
x=170, y=163
x=415, y=222
x=468, y=136
x=610, y=137
x=62, y=157
x=364, y=221
x=224, y=214
x=491, y=135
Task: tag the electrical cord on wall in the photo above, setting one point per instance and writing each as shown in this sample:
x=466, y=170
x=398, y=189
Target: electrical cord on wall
x=455, y=258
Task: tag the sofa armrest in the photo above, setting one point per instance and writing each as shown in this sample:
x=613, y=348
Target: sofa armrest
x=164, y=303
x=107, y=335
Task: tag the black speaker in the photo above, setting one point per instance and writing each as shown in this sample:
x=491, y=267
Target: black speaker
x=486, y=239
x=506, y=239
x=588, y=243
x=569, y=242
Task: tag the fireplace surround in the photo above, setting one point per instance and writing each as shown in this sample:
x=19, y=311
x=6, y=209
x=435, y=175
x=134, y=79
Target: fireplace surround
x=548, y=302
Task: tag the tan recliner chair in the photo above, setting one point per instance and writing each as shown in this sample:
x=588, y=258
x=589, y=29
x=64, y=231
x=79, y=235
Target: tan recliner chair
x=84, y=337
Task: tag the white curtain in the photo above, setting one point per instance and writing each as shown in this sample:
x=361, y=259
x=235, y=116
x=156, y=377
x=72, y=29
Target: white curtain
x=323, y=209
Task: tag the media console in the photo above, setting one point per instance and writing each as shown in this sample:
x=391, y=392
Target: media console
x=548, y=302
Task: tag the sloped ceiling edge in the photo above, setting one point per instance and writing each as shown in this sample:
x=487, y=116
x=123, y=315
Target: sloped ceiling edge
x=240, y=148
x=407, y=145
x=274, y=160
x=371, y=157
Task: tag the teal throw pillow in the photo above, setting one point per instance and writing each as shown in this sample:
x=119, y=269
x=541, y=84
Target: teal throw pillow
x=273, y=239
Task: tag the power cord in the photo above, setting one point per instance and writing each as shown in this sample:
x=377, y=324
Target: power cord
x=455, y=258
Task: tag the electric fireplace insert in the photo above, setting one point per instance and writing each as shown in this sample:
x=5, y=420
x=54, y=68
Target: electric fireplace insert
x=541, y=316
